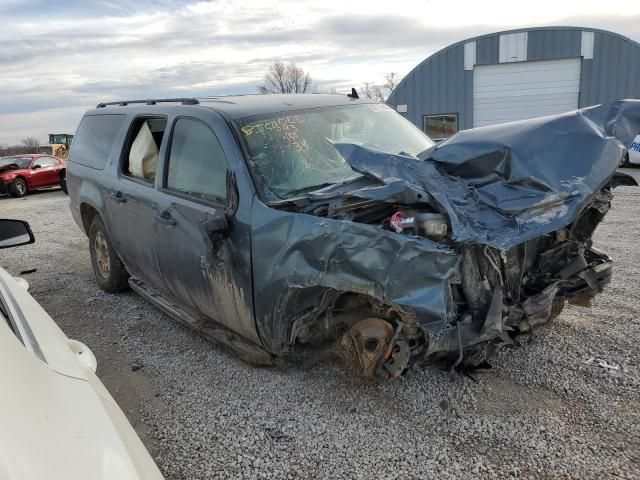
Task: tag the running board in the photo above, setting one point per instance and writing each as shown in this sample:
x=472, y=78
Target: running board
x=205, y=327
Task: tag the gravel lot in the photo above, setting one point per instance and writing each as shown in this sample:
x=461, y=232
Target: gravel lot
x=541, y=412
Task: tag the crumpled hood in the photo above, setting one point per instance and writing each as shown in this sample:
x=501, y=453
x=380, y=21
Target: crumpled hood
x=505, y=184
x=10, y=171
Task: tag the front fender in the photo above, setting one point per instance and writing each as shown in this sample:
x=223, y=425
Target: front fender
x=297, y=258
x=8, y=177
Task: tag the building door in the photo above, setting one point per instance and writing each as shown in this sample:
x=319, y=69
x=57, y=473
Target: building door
x=508, y=92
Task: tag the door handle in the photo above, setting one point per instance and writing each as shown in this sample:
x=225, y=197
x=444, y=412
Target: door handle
x=165, y=218
x=118, y=197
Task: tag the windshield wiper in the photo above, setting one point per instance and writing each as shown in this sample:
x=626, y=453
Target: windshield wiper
x=311, y=188
x=322, y=186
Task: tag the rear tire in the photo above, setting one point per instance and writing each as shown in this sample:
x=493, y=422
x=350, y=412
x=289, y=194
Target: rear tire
x=63, y=183
x=18, y=188
x=111, y=275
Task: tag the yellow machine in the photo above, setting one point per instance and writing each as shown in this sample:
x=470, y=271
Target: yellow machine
x=60, y=144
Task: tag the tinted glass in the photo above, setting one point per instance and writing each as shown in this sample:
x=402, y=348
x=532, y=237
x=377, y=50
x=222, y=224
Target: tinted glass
x=441, y=126
x=293, y=152
x=46, y=162
x=62, y=138
x=197, y=164
x=94, y=140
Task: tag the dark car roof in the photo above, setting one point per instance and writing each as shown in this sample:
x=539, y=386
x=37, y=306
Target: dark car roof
x=239, y=106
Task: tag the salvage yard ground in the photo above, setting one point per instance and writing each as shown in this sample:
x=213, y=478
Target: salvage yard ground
x=566, y=404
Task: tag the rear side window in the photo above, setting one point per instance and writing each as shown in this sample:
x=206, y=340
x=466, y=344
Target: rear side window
x=197, y=164
x=142, y=148
x=46, y=162
x=94, y=140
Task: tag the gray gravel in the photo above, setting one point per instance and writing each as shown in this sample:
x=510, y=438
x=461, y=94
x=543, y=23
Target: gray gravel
x=541, y=412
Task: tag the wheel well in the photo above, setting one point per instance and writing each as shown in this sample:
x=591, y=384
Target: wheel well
x=26, y=182
x=88, y=213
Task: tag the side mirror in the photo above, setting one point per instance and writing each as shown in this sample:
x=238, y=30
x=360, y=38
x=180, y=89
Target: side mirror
x=14, y=233
x=36, y=167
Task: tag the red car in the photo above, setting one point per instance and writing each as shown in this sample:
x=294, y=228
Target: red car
x=20, y=174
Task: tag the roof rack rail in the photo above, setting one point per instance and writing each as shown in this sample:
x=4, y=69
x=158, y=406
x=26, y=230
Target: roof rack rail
x=153, y=101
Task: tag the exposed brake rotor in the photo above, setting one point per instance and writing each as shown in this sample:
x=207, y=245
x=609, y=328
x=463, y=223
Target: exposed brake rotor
x=373, y=351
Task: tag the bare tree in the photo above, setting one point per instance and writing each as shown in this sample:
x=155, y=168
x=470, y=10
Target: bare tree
x=31, y=143
x=380, y=93
x=368, y=90
x=285, y=78
x=391, y=81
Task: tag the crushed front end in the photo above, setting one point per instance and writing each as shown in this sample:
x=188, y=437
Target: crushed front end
x=441, y=256
x=473, y=298
x=501, y=294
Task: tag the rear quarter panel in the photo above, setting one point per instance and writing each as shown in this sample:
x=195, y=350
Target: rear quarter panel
x=90, y=186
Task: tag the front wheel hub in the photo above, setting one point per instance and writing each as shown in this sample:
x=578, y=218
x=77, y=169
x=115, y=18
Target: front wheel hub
x=373, y=352
x=102, y=255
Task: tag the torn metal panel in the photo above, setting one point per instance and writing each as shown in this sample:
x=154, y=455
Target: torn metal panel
x=504, y=184
x=296, y=252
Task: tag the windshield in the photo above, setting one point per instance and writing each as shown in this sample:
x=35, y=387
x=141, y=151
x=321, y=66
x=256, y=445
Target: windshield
x=21, y=162
x=292, y=152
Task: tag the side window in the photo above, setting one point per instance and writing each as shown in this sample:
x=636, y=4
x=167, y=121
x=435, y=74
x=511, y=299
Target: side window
x=45, y=162
x=143, y=146
x=439, y=127
x=94, y=140
x=197, y=163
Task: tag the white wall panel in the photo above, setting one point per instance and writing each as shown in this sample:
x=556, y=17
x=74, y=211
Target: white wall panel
x=469, y=55
x=586, y=46
x=513, y=47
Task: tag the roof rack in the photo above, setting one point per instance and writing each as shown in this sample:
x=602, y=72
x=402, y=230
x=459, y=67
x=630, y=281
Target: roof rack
x=183, y=101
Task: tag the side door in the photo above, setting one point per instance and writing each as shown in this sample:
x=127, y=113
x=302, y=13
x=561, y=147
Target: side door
x=205, y=267
x=132, y=199
x=44, y=172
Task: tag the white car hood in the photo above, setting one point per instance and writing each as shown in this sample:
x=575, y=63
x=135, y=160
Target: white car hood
x=57, y=419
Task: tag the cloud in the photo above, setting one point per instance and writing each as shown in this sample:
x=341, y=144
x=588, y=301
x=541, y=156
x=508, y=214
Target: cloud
x=71, y=54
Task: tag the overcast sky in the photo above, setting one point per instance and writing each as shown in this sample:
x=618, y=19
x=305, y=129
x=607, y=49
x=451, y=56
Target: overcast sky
x=61, y=57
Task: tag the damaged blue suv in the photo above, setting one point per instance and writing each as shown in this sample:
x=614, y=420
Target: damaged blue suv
x=289, y=227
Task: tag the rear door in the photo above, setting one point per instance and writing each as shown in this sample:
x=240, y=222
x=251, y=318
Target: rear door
x=206, y=270
x=45, y=172
x=132, y=201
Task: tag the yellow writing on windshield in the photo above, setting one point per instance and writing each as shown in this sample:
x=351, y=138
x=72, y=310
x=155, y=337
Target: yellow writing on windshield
x=279, y=124
x=283, y=128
